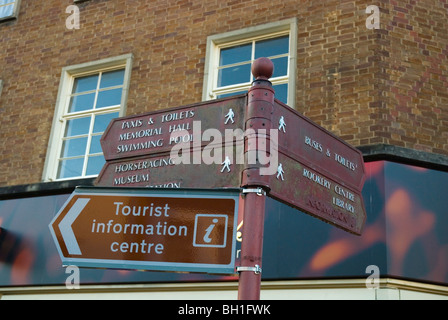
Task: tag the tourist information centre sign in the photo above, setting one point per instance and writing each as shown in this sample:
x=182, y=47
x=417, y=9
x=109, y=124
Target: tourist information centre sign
x=148, y=229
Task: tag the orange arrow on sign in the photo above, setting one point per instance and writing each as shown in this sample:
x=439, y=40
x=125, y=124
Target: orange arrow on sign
x=141, y=228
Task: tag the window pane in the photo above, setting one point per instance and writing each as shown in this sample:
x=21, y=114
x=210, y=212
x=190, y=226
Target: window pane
x=70, y=168
x=280, y=67
x=2, y=2
x=85, y=83
x=234, y=75
x=235, y=54
x=95, y=146
x=102, y=121
x=272, y=47
x=109, y=98
x=76, y=127
x=94, y=165
x=6, y=11
x=225, y=95
x=81, y=102
x=74, y=147
x=112, y=78
x=281, y=92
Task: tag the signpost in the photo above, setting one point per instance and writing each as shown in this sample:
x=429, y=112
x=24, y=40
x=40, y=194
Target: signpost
x=315, y=172
x=318, y=193
x=160, y=171
x=148, y=229
x=155, y=132
x=312, y=145
x=138, y=148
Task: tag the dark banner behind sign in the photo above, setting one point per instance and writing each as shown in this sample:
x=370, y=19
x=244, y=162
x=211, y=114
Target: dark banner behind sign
x=405, y=236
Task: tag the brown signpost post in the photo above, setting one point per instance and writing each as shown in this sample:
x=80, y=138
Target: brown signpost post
x=148, y=229
x=250, y=143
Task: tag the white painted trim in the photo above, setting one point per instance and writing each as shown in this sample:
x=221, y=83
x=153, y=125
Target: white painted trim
x=65, y=84
x=333, y=289
x=214, y=42
x=15, y=12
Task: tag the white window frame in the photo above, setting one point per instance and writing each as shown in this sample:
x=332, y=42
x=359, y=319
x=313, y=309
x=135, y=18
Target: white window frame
x=15, y=12
x=65, y=86
x=271, y=30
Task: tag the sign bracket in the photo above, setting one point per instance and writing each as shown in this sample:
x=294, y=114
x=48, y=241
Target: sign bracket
x=256, y=269
x=258, y=191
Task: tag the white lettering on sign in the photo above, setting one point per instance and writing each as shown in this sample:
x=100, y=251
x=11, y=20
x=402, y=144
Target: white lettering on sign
x=344, y=162
x=135, y=178
x=161, y=228
x=141, y=165
x=316, y=178
x=131, y=166
x=345, y=193
x=316, y=145
x=144, y=166
x=139, y=146
x=126, y=210
x=344, y=205
x=136, y=247
x=178, y=127
x=313, y=144
x=177, y=115
x=174, y=184
x=341, y=203
x=131, y=124
x=181, y=138
x=143, y=132
x=140, y=134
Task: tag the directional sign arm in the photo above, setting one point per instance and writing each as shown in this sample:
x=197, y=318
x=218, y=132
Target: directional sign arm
x=66, y=226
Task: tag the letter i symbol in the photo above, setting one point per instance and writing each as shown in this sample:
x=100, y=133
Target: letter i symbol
x=209, y=230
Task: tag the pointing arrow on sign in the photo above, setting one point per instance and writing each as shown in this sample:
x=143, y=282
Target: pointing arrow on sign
x=66, y=226
x=162, y=237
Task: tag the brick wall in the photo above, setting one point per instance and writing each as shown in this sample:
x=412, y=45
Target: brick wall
x=378, y=86
x=367, y=86
x=416, y=75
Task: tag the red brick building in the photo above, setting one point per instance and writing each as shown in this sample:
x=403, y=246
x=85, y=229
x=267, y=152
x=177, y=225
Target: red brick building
x=68, y=67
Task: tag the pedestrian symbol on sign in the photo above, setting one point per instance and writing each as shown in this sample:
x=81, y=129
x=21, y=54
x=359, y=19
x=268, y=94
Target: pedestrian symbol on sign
x=210, y=230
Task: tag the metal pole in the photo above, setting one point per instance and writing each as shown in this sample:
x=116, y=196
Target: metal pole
x=260, y=104
x=252, y=247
